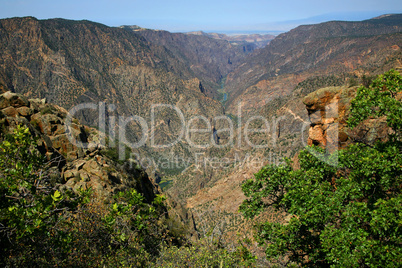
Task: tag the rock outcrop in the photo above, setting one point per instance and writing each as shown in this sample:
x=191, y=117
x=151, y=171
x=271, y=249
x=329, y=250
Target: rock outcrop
x=328, y=110
x=70, y=164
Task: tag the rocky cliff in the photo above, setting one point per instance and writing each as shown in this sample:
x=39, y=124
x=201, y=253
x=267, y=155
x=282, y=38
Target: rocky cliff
x=129, y=69
x=91, y=165
x=270, y=87
x=320, y=116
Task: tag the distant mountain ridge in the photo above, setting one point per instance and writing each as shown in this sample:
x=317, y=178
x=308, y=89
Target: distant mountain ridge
x=259, y=40
x=330, y=47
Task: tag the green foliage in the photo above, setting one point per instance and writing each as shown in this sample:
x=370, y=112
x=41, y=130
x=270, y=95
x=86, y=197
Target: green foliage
x=30, y=206
x=344, y=216
x=42, y=225
x=124, y=232
x=381, y=98
x=202, y=254
x=129, y=214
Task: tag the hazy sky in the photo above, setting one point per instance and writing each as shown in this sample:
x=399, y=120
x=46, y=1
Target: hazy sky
x=207, y=15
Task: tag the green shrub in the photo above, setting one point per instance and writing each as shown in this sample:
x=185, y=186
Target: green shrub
x=121, y=232
x=31, y=207
x=202, y=254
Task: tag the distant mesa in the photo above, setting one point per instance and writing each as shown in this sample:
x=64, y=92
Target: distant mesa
x=132, y=27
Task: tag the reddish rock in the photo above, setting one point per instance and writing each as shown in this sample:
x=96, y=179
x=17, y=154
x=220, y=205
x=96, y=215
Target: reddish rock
x=63, y=144
x=328, y=110
x=316, y=136
x=343, y=137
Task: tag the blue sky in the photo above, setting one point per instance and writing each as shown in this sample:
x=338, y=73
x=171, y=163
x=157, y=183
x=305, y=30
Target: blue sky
x=207, y=15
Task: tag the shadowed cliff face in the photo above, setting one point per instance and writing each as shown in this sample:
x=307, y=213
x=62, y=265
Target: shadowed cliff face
x=208, y=59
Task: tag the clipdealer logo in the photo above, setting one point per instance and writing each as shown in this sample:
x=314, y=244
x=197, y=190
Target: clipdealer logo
x=187, y=128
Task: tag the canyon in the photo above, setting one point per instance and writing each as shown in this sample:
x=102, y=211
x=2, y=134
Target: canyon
x=243, y=106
